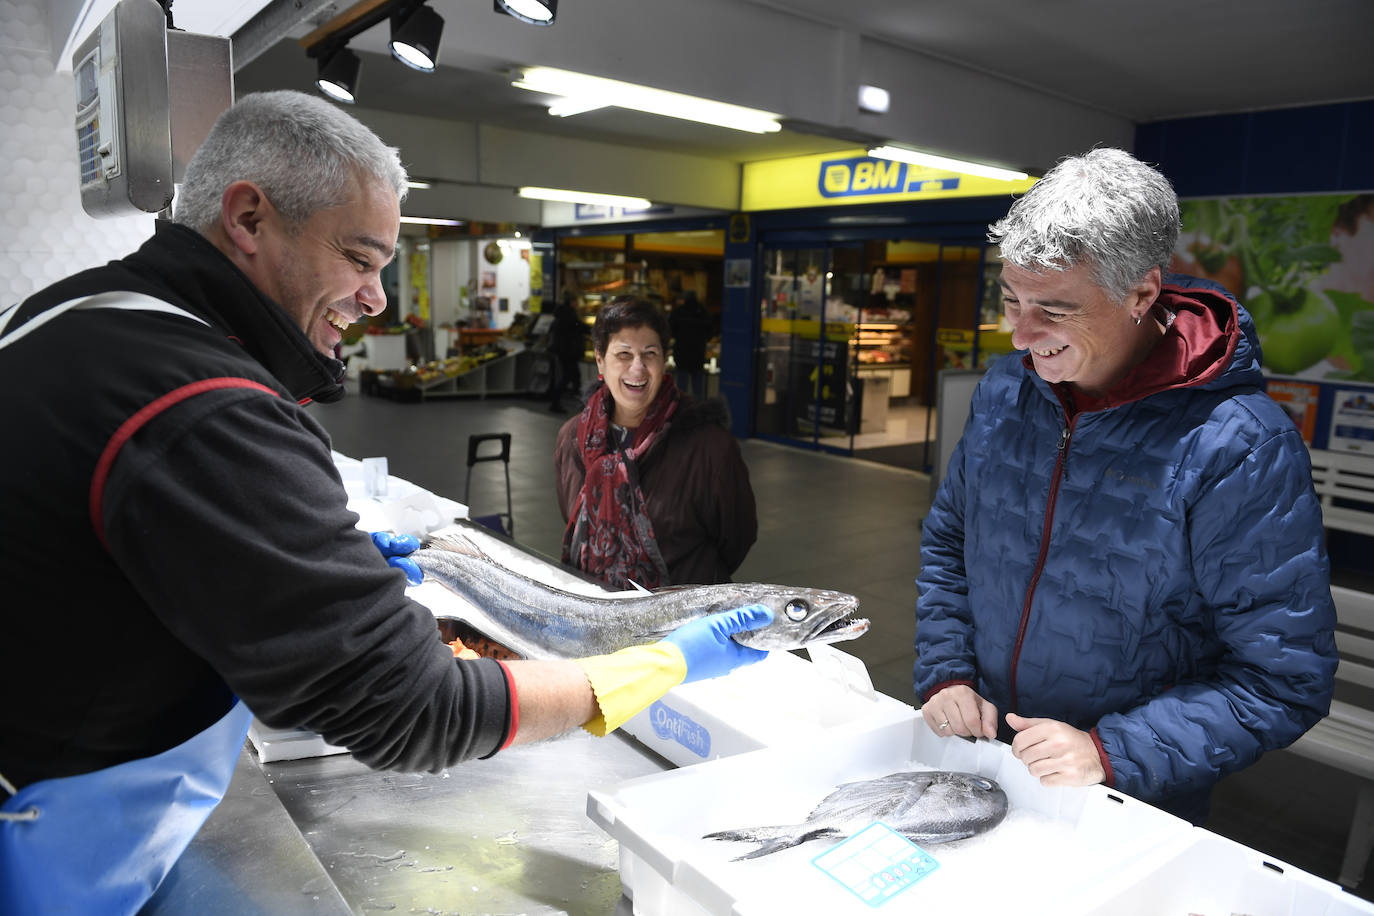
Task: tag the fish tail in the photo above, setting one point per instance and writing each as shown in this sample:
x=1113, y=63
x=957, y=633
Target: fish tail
x=768, y=848
x=457, y=543
x=770, y=839
x=743, y=835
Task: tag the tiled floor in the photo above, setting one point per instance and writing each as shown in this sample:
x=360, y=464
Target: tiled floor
x=824, y=521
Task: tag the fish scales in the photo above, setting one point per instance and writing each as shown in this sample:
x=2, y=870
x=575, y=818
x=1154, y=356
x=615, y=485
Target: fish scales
x=928, y=807
x=541, y=621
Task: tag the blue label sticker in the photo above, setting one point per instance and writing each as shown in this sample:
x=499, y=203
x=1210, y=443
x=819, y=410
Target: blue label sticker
x=671, y=725
x=876, y=864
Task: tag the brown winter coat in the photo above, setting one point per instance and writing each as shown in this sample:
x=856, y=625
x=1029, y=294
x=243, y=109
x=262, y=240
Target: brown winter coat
x=696, y=492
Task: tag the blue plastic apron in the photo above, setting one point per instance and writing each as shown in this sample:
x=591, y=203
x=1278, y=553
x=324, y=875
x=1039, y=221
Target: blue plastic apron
x=101, y=843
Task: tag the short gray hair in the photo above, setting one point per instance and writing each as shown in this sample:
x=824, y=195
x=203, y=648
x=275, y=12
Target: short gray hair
x=302, y=151
x=1105, y=209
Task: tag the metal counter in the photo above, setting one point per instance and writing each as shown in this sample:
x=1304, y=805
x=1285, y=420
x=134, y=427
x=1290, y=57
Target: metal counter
x=328, y=835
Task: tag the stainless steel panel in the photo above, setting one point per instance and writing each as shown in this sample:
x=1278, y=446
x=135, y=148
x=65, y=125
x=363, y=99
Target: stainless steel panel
x=248, y=859
x=200, y=76
x=505, y=835
x=134, y=121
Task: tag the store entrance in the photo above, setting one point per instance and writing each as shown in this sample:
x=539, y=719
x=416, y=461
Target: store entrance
x=851, y=337
x=805, y=391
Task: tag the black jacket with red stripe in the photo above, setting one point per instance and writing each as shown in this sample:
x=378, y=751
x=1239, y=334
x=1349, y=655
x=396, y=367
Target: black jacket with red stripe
x=175, y=533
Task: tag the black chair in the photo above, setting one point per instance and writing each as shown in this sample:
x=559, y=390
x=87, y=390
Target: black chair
x=493, y=522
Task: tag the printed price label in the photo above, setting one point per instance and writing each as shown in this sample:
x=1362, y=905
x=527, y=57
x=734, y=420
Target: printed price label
x=876, y=864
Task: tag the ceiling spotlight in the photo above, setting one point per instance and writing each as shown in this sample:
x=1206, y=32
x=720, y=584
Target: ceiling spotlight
x=873, y=99
x=535, y=12
x=415, y=38
x=338, y=75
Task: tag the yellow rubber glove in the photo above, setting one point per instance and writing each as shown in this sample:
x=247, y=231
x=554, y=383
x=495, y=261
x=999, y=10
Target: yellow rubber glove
x=627, y=681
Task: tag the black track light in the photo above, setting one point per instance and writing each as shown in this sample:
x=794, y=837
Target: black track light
x=338, y=75
x=535, y=12
x=415, y=38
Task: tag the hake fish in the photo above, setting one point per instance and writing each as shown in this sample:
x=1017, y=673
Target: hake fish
x=928, y=807
x=540, y=621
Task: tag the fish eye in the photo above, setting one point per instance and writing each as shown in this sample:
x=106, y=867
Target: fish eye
x=797, y=610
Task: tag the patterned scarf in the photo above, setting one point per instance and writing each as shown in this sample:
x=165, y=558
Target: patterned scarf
x=609, y=535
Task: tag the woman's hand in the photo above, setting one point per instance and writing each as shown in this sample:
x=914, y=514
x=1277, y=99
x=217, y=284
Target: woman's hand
x=958, y=710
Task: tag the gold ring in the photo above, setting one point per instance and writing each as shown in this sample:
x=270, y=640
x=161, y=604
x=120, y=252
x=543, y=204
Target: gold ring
x=944, y=725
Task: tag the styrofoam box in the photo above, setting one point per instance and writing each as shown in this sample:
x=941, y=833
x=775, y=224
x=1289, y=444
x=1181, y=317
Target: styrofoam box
x=1060, y=851
x=288, y=743
x=1220, y=877
x=781, y=700
x=406, y=509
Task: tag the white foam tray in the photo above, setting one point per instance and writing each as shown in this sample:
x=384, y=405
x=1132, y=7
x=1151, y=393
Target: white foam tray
x=1060, y=851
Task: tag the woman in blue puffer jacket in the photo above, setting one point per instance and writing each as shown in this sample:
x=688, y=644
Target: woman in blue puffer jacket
x=1123, y=569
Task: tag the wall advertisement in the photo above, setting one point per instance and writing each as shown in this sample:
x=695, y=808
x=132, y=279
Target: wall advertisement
x=1304, y=269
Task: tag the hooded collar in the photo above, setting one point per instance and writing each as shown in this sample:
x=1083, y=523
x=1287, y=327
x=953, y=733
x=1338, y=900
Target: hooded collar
x=212, y=286
x=1205, y=343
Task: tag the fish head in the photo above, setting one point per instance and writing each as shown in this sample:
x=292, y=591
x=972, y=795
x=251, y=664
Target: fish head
x=802, y=617
x=967, y=804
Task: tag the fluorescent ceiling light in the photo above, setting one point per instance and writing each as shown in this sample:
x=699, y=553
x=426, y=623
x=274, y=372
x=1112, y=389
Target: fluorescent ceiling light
x=942, y=162
x=643, y=98
x=415, y=183
x=431, y=221
x=873, y=99
x=572, y=105
x=585, y=197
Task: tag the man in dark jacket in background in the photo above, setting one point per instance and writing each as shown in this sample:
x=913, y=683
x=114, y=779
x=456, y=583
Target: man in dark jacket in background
x=1123, y=572
x=567, y=343
x=690, y=324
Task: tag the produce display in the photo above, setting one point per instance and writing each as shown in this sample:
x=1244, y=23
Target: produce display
x=1304, y=269
x=437, y=370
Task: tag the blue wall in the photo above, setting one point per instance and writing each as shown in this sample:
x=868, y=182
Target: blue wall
x=1323, y=148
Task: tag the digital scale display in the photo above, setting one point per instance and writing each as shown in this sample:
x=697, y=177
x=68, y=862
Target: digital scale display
x=88, y=118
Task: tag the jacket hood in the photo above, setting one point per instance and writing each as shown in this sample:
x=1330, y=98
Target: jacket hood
x=1210, y=343
x=214, y=287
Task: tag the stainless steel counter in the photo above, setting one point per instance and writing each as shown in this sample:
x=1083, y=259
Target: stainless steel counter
x=327, y=835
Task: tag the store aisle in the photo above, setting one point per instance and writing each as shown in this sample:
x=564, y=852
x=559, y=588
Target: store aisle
x=824, y=521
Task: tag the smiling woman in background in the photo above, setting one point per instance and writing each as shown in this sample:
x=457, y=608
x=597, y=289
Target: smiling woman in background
x=650, y=481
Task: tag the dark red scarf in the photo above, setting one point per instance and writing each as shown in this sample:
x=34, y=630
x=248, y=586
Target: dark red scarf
x=609, y=535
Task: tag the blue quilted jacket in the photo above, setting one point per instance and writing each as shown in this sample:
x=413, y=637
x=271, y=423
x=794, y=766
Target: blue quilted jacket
x=1149, y=568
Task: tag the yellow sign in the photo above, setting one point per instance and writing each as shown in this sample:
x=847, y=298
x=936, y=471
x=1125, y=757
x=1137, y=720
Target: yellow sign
x=852, y=177
x=808, y=329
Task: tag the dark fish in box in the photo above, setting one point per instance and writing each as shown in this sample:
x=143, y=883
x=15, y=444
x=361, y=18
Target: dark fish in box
x=927, y=807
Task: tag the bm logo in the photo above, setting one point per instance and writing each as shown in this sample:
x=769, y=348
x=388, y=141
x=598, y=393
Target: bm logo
x=861, y=176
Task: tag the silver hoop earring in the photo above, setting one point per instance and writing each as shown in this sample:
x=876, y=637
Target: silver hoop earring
x=1137, y=320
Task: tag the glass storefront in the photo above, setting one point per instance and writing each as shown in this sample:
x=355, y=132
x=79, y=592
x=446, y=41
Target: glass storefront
x=852, y=334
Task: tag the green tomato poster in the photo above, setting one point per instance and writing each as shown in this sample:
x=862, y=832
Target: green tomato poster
x=1304, y=269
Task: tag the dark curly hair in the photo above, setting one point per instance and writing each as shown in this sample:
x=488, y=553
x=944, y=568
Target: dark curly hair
x=627, y=312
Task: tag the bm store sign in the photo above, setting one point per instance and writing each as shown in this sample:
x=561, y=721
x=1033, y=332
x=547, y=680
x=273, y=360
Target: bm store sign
x=852, y=177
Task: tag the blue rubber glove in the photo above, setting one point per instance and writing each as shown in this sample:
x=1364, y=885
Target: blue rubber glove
x=397, y=549
x=706, y=645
